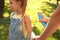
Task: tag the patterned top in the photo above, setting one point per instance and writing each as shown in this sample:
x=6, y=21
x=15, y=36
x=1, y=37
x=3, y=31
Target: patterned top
x=16, y=28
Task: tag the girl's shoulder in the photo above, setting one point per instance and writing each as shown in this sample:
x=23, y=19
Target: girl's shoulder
x=26, y=17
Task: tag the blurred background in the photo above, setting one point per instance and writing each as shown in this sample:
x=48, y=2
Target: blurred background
x=33, y=7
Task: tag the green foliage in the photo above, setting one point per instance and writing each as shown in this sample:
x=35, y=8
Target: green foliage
x=46, y=6
x=57, y=35
x=4, y=29
x=36, y=31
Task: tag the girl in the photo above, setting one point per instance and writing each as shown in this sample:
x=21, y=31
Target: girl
x=20, y=27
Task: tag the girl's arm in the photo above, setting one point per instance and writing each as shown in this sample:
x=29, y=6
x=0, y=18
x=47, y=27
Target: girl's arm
x=29, y=27
x=28, y=24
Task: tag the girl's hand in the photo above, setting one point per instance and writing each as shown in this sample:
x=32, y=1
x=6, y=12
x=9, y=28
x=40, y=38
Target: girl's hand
x=33, y=36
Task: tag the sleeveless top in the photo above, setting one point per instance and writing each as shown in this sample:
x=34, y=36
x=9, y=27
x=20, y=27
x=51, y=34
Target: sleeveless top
x=18, y=29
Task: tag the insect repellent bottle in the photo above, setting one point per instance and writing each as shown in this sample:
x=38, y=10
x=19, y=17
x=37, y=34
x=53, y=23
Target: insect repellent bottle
x=40, y=17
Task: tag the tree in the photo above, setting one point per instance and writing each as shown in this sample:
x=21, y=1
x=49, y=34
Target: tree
x=49, y=0
x=57, y=2
x=1, y=8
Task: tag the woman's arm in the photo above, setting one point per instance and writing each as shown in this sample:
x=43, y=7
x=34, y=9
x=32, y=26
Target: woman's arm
x=52, y=26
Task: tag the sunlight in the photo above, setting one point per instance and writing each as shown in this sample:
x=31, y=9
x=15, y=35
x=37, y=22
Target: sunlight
x=5, y=15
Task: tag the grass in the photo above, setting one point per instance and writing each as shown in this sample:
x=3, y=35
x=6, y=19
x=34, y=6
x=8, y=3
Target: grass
x=33, y=7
